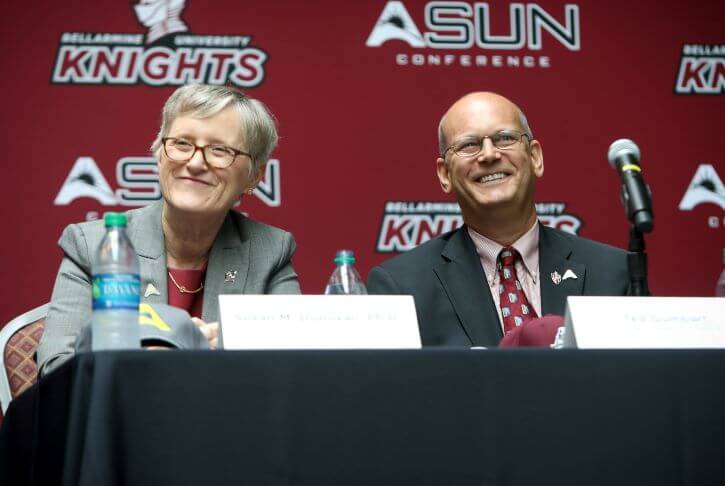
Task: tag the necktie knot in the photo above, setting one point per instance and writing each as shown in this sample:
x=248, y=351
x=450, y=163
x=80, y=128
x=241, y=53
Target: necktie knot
x=507, y=257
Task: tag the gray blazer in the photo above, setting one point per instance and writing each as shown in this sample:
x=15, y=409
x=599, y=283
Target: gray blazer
x=259, y=254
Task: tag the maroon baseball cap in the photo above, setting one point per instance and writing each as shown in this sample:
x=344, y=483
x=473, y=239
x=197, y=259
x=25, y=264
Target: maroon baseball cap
x=536, y=333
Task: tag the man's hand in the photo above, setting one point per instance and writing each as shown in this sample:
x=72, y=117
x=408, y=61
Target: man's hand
x=210, y=331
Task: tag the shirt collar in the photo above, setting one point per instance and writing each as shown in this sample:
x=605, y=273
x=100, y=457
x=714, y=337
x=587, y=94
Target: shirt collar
x=527, y=246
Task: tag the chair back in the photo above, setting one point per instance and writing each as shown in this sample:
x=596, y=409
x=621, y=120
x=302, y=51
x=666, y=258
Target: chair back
x=18, y=341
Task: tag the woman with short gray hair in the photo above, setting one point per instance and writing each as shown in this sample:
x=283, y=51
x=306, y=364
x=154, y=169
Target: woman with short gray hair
x=212, y=147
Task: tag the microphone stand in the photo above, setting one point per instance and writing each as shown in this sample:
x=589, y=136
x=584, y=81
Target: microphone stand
x=637, y=263
x=637, y=200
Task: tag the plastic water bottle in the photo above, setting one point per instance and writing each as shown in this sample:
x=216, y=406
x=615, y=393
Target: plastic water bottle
x=345, y=279
x=116, y=289
x=720, y=287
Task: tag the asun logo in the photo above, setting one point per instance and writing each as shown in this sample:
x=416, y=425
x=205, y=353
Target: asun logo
x=138, y=178
x=169, y=54
x=702, y=70
x=705, y=187
x=407, y=224
x=459, y=25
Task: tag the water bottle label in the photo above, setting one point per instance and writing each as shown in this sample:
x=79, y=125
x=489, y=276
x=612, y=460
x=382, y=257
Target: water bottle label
x=116, y=291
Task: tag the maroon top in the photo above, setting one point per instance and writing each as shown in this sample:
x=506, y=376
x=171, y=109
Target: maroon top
x=191, y=280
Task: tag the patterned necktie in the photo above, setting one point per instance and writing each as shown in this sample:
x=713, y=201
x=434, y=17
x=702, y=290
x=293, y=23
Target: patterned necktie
x=515, y=307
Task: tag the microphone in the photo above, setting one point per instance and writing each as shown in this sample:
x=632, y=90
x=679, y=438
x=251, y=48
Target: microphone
x=636, y=195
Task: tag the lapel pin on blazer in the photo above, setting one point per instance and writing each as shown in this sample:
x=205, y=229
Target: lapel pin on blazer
x=555, y=277
x=151, y=290
x=230, y=276
x=569, y=274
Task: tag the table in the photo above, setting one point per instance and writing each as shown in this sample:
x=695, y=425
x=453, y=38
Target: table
x=418, y=417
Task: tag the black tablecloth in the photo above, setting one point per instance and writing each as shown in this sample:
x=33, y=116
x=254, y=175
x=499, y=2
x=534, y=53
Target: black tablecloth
x=503, y=417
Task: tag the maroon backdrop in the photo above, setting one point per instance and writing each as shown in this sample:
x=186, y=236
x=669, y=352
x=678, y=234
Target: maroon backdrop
x=358, y=88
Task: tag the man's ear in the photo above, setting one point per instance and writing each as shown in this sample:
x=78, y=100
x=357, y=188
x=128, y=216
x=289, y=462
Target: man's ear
x=537, y=158
x=443, y=175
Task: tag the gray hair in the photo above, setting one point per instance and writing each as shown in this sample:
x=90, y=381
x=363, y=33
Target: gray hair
x=442, y=144
x=203, y=101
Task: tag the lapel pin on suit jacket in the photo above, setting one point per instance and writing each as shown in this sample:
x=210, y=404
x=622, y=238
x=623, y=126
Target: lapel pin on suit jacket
x=555, y=277
x=151, y=290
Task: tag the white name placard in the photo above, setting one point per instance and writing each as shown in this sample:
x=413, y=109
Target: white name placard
x=645, y=322
x=318, y=322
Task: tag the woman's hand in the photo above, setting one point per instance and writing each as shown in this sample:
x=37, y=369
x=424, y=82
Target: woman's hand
x=210, y=331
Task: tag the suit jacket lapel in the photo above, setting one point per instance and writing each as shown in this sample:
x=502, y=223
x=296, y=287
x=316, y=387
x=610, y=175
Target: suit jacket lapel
x=226, y=272
x=465, y=283
x=555, y=258
x=147, y=236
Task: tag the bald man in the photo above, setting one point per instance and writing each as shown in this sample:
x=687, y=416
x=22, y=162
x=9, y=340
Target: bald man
x=502, y=267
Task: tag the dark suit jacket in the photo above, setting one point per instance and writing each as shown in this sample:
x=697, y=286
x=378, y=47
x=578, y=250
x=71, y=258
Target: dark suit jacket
x=452, y=297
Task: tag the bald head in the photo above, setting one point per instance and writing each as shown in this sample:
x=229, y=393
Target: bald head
x=491, y=100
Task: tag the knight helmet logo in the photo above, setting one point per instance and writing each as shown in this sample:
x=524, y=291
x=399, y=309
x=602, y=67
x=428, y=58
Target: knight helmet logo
x=167, y=55
x=705, y=187
x=162, y=17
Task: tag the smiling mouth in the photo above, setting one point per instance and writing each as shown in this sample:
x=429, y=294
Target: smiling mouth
x=492, y=177
x=191, y=179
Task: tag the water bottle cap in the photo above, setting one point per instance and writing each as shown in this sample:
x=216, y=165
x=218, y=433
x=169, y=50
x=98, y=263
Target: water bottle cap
x=345, y=256
x=114, y=220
